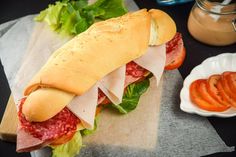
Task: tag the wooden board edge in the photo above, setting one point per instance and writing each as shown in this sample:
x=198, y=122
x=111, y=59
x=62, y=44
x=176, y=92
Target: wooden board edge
x=9, y=122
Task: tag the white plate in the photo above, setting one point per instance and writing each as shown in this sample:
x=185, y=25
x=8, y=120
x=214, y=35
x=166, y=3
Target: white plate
x=213, y=65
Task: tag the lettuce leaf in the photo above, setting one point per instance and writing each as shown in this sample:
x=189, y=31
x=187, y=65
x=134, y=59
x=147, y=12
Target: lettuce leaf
x=69, y=149
x=51, y=15
x=71, y=17
x=71, y=21
x=86, y=132
x=112, y=8
x=132, y=95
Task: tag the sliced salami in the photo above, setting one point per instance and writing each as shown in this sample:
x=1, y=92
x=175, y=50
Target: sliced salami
x=101, y=96
x=134, y=70
x=65, y=122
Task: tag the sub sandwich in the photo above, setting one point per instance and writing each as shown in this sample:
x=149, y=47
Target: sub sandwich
x=54, y=107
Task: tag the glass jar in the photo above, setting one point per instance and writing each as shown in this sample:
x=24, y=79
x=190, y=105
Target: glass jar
x=213, y=22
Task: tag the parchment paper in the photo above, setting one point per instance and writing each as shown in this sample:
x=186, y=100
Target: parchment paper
x=173, y=133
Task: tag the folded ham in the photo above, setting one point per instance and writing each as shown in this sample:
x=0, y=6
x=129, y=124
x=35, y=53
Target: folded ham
x=31, y=143
x=84, y=107
x=112, y=85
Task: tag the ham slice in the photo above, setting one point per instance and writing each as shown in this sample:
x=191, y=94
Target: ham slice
x=112, y=85
x=130, y=79
x=84, y=107
x=31, y=143
x=154, y=61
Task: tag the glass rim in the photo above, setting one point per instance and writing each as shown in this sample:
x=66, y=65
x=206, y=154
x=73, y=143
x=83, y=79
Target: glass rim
x=212, y=7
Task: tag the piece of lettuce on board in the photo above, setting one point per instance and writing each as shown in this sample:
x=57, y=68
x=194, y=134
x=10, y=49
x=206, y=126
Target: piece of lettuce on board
x=69, y=149
x=71, y=17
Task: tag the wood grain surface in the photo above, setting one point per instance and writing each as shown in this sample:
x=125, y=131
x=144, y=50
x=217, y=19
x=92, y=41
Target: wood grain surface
x=9, y=122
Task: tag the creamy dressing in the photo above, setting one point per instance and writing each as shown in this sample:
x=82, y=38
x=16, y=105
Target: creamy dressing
x=209, y=30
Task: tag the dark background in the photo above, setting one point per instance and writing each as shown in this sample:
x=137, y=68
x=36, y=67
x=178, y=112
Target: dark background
x=196, y=53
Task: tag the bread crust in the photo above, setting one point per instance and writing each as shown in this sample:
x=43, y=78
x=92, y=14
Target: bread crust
x=165, y=26
x=45, y=103
x=104, y=47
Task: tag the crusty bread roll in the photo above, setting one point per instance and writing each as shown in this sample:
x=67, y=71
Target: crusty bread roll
x=165, y=27
x=106, y=46
x=48, y=98
x=80, y=63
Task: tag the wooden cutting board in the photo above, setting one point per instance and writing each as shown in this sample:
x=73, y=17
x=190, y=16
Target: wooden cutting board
x=9, y=122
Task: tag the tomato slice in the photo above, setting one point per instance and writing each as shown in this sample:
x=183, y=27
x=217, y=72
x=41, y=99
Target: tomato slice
x=226, y=85
x=224, y=94
x=99, y=109
x=213, y=90
x=196, y=98
x=232, y=81
x=206, y=96
x=175, y=52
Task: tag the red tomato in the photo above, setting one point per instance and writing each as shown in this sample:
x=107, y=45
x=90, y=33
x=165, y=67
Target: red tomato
x=175, y=52
x=207, y=97
x=226, y=85
x=213, y=90
x=99, y=109
x=224, y=94
x=232, y=81
x=196, y=97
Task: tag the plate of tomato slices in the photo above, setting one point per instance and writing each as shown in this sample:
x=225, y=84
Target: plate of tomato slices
x=210, y=88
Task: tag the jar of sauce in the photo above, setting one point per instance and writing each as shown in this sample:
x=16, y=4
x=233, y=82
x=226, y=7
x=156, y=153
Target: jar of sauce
x=213, y=22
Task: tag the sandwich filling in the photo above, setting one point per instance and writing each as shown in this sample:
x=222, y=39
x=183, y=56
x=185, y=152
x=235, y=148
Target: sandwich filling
x=63, y=126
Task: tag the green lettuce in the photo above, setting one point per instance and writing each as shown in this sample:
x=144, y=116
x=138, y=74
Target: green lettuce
x=72, y=17
x=51, y=15
x=86, y=132
x=69, y=149
x=132, y=95
x=111, y=8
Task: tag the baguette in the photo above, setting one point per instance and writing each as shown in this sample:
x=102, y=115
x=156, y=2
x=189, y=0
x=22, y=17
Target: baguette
x=75, y=67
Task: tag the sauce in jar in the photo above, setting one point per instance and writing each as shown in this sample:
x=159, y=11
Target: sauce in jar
x=213, y=23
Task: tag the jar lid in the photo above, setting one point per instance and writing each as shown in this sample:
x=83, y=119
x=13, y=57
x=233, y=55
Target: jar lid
x=219, y=7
